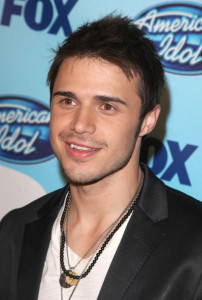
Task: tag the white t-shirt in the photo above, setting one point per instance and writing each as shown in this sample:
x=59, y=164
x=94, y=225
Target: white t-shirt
x=88, y=287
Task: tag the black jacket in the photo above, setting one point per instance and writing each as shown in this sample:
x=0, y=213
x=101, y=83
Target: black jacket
x=159, y=257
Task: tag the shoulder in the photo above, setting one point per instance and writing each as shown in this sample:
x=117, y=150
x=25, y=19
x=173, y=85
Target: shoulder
x=30, y=211
x=161, y=202
x=183, y=203
x=184, y=217
x=176, y=209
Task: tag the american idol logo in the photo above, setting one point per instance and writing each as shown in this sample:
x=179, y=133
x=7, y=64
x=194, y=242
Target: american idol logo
x=24, y=130
x=176, y=30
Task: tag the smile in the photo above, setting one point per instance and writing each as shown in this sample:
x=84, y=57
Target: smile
x=80, y=152
x=73, y=146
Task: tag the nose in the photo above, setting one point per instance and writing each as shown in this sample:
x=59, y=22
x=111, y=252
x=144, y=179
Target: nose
x=83, y=121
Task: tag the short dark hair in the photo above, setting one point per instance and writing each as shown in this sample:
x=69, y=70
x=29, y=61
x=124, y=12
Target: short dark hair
x=118, y=40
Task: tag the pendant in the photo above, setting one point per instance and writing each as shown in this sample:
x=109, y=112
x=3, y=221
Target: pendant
x=63, y=282
x=71, y=281
x=66, y=281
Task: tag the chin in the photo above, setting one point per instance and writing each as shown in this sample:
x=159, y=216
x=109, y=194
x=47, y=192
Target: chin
x=82, y=178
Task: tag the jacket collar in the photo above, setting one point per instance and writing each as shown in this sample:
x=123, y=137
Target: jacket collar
x=141, y=237
x=36, y=238
x=153, y=198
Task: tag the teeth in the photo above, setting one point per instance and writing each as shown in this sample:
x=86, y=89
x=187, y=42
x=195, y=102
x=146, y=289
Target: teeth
x=80, y=148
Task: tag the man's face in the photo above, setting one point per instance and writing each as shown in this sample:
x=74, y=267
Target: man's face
x=94, y=117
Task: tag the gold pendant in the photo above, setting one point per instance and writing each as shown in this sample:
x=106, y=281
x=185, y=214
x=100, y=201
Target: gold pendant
x=66, y=281
x=71, y=281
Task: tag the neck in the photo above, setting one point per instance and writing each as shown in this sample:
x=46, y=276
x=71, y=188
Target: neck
x=103, y=201
x=96, y=206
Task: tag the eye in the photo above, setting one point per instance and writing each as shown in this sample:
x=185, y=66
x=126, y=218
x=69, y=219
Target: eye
x=69, y=102
x=107, y=106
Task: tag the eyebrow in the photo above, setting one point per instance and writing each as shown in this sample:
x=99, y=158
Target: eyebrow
x=102, y=98
x=65, y=94
x=110, y=99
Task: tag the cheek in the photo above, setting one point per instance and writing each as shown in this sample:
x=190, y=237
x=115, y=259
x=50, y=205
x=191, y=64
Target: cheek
x=52, y=127
x=122, y=138
x=127, y=131
x=52, y=135
x=55, y=128
x=57, y=122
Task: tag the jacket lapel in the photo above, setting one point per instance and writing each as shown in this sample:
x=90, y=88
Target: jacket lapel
x=140, y=239
x=36, y=240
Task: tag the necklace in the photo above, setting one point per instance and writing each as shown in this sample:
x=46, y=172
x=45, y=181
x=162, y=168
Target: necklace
x=101, y=237
x=69, y=278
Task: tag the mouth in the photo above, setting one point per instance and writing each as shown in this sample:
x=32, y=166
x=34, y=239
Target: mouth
x=80, y=152
x=82, y=148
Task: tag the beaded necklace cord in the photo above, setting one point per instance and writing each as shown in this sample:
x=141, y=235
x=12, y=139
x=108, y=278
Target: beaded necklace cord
x=101, y=237
x=123, y=216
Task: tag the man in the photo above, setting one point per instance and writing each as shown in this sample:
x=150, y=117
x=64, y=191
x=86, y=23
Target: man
x=116, y=231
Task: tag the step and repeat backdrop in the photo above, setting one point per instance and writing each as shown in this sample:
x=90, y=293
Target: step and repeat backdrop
x=29, y=29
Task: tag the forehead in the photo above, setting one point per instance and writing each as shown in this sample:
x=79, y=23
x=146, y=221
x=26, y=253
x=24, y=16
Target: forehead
x=94, y=75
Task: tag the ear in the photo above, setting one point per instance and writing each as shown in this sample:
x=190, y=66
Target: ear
x=150, y=121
